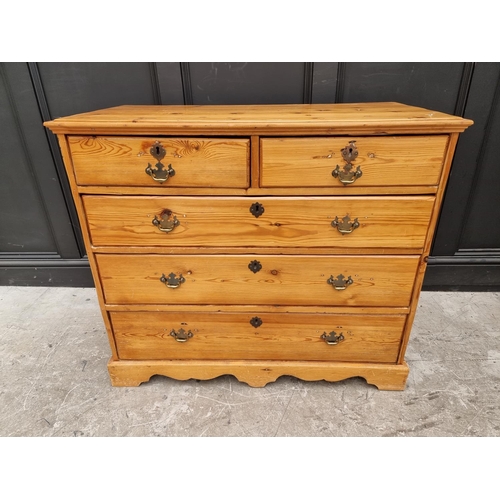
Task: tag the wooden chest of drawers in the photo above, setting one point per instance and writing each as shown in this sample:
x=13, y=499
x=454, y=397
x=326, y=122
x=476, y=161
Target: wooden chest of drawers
x=259, y=241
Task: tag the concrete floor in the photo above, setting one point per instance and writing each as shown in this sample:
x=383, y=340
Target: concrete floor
x=54, y=381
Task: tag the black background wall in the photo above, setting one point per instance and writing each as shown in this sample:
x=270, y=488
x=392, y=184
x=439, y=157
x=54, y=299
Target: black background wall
x=40, y=240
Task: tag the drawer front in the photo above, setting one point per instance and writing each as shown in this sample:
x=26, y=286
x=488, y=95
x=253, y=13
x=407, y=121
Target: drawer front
x=383, y=161
x=288, y=336
x=257, y=279
x=382, y=222
x=122, y=161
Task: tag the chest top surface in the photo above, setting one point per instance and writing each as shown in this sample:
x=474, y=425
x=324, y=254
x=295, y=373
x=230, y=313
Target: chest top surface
x=289, y=119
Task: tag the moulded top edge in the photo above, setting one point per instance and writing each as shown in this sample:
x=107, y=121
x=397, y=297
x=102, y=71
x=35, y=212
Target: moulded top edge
x=368, y=118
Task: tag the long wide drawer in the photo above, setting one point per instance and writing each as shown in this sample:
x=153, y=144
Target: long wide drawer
x=258, y=279
x=196, y=162
x=329, y=222
x=382, y=161
x=258, y=336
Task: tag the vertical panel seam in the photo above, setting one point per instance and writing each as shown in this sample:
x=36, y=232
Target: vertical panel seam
x=339, y=89
x=43, y=107
x=24, y=142
x=155, y=83
x=463, y=91
x=308, y=82
x=479, y=161
x=187, y=90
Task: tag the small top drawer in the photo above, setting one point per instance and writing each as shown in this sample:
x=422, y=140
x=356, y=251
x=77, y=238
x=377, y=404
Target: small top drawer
x=169, y=162
x=359, y=161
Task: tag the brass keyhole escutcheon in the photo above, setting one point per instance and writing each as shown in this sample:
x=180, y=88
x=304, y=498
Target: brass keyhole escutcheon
x=347, y=175
x=157, y=151
x=256, y=322
x=160, y=173
x=257, y=209
x=255, y=266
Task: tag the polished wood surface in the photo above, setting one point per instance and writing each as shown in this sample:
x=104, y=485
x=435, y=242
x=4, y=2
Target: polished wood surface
x=384, y=161
x=283, y=279
x=198, y=162
x=65, y=152
x=379, y=118
x=385, y=222
x=256, y=191
x=224, y=335
x=385, y=376
x=239, y=308
x=282, y=156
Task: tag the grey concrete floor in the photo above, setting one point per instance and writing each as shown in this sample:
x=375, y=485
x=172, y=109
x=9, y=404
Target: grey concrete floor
x=54, y=380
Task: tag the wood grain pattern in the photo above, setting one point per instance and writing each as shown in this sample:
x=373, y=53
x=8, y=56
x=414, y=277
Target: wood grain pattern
x=385, y=222
x=255, y=161
x=384, y=376
x=199, y=308
x=379, y=118
x=283, y=279
x=295, y=337
x=86, y=238
x=294, y=191
x=384, y=161
x=254, y=250
x=282, y=156
x=198, y=162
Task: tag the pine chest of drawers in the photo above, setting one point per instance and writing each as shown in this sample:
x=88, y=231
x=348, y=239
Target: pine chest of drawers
x=259, y=241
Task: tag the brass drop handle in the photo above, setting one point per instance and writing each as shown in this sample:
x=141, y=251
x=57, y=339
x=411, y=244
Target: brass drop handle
x=181, y=335
x=171, y=281
x=345, y=226
x=347, y=175
x=165, y=222
x=332, y=338
x=339, y=283
x=159, y=174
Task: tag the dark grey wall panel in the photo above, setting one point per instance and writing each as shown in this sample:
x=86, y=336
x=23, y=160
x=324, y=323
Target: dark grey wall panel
x=429, y=85
x=170, y=83
x=462, y=275
x=72, y=273
x=482, y=224
x=247, y=83
x=37, y=212
x=325, y=82
x=79, y=87
x=469, y=161
x=24, y=227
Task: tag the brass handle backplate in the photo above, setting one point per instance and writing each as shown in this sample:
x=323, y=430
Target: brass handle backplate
x=345, y=226
x=339, y=283
x=160, y=174
x=347, y=175
x=181, y=335
x=165, y=222
x=332, y=338
x=172, y=281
